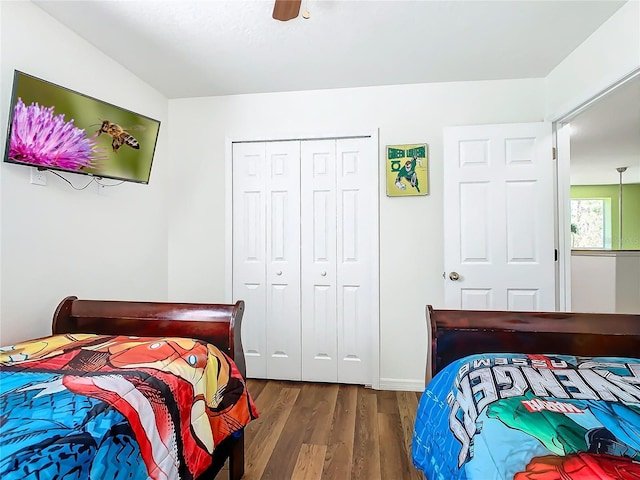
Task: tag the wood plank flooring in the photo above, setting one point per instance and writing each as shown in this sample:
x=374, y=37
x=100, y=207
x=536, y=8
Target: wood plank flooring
x=312, y=431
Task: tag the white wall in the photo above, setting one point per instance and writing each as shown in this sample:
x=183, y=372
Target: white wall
x=605, y=281
x=593, y=288
x=628, y=282
x=607, y=56
x=56, y=241
x=411, y=240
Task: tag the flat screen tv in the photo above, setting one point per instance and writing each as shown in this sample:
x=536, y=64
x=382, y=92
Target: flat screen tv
x=52, y=127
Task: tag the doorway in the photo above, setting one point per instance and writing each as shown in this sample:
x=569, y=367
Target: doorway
x=599, y=174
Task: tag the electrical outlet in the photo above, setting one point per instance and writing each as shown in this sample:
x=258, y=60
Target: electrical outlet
x=38, y=177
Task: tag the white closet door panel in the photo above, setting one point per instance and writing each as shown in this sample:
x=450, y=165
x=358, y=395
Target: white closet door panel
x=283, y=260
x=249, y=252
x=318, y=250
x=355, y=179
x=254, y=328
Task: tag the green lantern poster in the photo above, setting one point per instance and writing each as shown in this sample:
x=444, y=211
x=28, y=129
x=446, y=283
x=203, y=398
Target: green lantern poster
x=407, y=172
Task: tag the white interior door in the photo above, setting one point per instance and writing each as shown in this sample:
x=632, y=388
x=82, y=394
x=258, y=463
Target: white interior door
x=339, y=235
x=283, y=260
x=266, y=255
x=357, y=253
x=249, y=251
x=499, y=217
x=319, y=261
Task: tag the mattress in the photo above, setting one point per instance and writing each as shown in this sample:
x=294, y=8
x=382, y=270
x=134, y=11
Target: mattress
x=530, y=417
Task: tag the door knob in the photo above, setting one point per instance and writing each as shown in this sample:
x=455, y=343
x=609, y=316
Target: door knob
x=323, y=273
x=454, y=276
x=279, y=272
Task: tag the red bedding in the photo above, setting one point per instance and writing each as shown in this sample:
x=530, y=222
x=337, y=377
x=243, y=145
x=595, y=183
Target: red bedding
x=92, y=406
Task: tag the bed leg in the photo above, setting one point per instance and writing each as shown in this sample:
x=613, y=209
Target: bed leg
x=236, y=459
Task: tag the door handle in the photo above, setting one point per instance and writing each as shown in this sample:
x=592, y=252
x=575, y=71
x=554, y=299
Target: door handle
x=279, y=272
x=454, y=276
x=323, y=273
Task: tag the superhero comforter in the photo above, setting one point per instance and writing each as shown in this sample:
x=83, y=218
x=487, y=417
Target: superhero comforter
x=115, y=407
x=530, y=417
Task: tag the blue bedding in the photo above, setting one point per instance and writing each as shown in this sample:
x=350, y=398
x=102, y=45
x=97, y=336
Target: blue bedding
x=530, y=417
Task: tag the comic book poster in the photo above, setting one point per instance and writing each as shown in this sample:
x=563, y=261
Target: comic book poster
x=407, y=170
x=531, y=417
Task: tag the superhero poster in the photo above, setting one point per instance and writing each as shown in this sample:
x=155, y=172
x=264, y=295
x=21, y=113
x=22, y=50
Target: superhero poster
x=407, y=172
x=531, y=417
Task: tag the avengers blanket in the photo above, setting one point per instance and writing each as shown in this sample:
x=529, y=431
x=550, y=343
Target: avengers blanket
x=115, y=407
x=530, y=417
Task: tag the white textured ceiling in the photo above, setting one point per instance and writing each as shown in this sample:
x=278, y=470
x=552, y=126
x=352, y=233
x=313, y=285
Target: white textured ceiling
x=192, y=48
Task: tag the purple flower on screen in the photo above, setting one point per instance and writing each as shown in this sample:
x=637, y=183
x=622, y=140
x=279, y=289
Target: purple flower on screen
x=40, y=138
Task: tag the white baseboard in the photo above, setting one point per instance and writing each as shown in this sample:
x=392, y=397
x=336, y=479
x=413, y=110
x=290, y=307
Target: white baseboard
x=402, y=384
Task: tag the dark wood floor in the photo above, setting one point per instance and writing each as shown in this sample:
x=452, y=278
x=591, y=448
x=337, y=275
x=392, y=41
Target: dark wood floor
x=327, y=431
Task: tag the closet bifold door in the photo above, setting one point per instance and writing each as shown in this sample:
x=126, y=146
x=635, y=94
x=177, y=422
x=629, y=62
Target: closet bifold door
x=318, y=255
x=266, y=255
x=356, y=204
x=283, y=260
x=338, y=195
x=249, y=251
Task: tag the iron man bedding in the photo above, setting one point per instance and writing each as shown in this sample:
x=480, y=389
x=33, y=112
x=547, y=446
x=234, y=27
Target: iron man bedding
x=115, y=407
x=530, y=417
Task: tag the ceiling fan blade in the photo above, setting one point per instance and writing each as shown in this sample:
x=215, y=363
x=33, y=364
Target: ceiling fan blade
x=286, y=9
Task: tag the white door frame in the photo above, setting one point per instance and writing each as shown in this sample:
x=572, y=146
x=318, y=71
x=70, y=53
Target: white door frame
x=228, y=225
x=563, y=194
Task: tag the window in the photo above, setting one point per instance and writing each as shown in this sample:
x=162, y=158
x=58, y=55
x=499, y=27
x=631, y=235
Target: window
x=591, y=223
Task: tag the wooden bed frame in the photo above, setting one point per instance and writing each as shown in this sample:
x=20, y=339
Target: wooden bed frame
x=457, y=333
x=218, y=324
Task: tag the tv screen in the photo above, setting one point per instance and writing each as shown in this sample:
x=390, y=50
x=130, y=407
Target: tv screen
x=52, y=127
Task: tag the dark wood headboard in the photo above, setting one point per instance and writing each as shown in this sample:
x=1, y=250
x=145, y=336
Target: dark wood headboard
x=457, y=333
x=218, y=324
